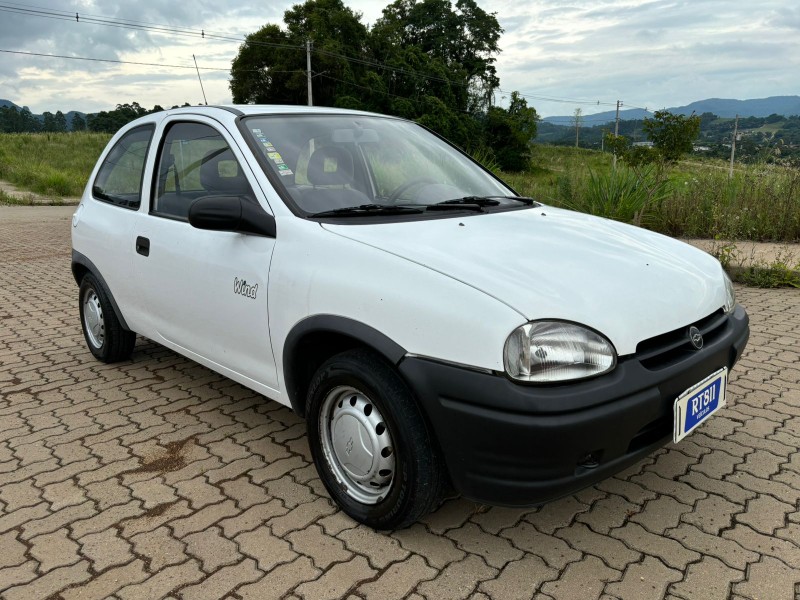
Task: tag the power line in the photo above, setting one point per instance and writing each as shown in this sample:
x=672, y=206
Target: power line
x=133, y=62
x=149, y=26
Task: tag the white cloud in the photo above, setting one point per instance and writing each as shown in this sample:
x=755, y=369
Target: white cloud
x=647, y=53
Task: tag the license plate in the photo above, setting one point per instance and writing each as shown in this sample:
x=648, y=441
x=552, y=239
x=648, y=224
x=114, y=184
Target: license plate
x=698, y=403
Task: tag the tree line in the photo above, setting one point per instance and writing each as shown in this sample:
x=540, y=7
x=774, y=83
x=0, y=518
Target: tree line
x=773, y=138
x=21, y=120
x=432, y=61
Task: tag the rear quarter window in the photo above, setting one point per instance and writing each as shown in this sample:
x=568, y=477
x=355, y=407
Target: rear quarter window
x=119, y=180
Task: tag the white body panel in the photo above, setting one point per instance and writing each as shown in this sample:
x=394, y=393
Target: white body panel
x=315, y=272
x=628, y=283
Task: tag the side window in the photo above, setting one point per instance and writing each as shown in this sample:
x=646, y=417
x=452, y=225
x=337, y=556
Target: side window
x=195, y=162
x=119, y=180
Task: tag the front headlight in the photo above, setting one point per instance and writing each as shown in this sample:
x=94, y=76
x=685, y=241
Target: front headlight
x=730, y=295
x=550, y=351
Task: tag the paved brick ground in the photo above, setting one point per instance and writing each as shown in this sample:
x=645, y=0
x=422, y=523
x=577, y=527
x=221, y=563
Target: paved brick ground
x=158, y=478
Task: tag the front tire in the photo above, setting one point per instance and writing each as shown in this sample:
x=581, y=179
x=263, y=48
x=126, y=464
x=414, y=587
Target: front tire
x=107, y=340
x=372, y=446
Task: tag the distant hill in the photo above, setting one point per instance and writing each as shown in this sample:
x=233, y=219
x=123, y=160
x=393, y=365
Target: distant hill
x=69, y=115
x=9, y=104
x=722, y=107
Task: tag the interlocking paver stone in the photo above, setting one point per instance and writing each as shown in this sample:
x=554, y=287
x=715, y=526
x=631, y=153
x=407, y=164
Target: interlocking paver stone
x=103, y=586
x=582, y=579
x=212, y=549
x=765, y=514
x=163, y=582
x=769, y=578
x=157, y=478
x=708, y=579
x=713, y=514
x=660, y=514
x=496, y=551
x=105, y=549
x=336, y=581
x=458, y=580
x=645, y=580
x=611, y=551
x=280, y=579
x=671, y=552
x=324, y=550
x=159, y=548
x=520, y=579
x=728, y=551
x=267, y=549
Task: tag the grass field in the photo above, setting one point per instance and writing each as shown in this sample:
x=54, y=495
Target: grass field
x=760, y=203
x=50, y=164
x=693, y=199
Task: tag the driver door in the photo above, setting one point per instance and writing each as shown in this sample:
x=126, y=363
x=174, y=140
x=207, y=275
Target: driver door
x=205, y=292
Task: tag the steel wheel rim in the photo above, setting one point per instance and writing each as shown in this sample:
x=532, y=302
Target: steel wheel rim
x=357, y=445
x=93, y=323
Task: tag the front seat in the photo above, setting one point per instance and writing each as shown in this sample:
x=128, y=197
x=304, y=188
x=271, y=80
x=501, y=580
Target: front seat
x=221, y=175
x=331, y=175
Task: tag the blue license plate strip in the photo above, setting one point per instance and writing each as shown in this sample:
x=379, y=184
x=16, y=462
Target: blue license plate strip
x=698, y=403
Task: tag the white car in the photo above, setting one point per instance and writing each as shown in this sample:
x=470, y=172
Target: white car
x=435, y=329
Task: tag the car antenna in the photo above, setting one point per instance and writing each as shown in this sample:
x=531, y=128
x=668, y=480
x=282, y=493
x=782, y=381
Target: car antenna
x=201, y=81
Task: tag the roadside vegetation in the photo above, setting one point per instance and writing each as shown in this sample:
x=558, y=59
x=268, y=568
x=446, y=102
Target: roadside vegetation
x=50, y=164
x=692, y=199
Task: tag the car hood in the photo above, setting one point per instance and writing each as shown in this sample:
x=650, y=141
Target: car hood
x=626, y=282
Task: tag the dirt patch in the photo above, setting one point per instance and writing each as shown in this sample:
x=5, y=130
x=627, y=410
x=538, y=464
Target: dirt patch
x=19, y=196
x=159, y=510
x=173, y=460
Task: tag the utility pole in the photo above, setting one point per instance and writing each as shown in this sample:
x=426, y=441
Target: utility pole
x=733, y=145
x=616, y=132
x=308, y=71
x=578, y=118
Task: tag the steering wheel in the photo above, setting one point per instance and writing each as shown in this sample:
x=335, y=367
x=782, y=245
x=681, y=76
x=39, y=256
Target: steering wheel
x=404, y=187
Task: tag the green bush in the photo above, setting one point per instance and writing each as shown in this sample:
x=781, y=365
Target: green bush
x=622, y=194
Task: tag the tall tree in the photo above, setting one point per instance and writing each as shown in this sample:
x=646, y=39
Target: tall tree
x=78, y=123
x=271, y=65
x=60, y=121
x=671, y=134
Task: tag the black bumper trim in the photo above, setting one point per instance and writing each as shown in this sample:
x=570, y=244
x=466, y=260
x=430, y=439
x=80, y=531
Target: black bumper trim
x=517, y=445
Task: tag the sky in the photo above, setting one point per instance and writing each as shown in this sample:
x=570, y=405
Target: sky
x=564, y=55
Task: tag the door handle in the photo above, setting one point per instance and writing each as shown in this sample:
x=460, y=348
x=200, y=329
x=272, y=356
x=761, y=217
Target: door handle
x=143, y=246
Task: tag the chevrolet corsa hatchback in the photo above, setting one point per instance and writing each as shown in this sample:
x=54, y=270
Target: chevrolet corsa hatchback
x=434, y=328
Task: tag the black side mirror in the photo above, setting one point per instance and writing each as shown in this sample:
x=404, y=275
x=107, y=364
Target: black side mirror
x=231, y=213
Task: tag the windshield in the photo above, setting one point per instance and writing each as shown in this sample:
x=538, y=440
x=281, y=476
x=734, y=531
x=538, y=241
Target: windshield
x=337, y=162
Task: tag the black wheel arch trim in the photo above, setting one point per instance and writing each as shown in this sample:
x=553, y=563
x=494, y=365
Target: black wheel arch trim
x=79, y=260
x=359, y=332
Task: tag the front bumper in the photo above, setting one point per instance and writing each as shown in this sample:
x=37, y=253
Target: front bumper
x=520, y=445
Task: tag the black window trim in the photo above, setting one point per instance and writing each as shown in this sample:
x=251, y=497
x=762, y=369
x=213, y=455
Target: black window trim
x=109, y=200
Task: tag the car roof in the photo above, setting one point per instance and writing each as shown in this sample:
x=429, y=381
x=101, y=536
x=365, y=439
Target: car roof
x=267, y=109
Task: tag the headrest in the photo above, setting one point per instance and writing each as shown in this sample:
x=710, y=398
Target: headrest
x=332, y=165
x=220, y=172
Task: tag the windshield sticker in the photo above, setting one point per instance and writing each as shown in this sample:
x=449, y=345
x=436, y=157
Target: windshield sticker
x=272, y=153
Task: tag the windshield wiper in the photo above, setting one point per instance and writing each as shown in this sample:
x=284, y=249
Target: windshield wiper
x=367, y=210
x=488, y=200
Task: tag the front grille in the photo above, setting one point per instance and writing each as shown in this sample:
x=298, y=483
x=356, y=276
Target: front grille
x=669, y=348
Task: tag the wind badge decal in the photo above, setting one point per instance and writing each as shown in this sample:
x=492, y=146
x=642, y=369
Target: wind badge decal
x=241, y=287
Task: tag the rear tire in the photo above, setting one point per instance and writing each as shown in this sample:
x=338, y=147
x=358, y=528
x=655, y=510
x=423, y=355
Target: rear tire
x=370, y=442
x=107, y=340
